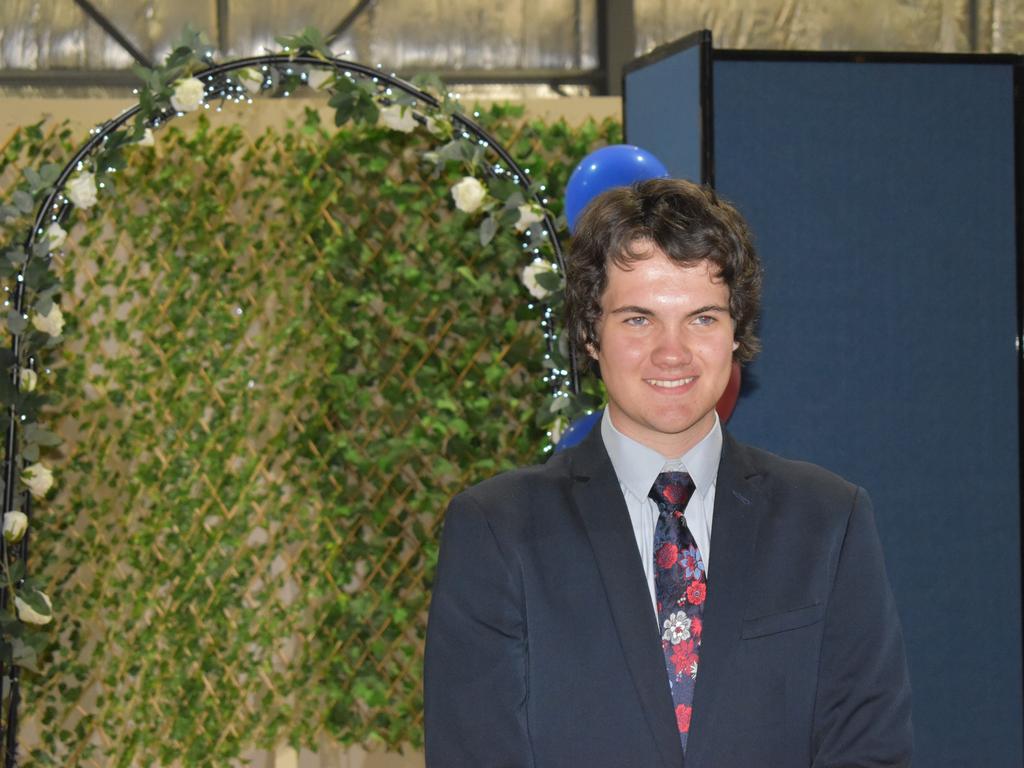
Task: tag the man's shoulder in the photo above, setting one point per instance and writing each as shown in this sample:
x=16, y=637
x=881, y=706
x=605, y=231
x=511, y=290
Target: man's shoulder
x=525, y=481
x=789, y=477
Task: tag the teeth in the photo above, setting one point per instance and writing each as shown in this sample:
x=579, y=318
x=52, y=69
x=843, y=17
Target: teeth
x=671, y=384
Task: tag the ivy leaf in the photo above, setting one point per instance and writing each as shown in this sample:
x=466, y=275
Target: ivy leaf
x=509, y=216
x=7, y=391
x=10, y=626
x=16, y=256
x=488, y=229
x=34, y=597
x=8, y=212
x=457, y=150
x=38, y=275
x=16, y=323
x=310, y=40
x=431, y=83
x=551, y=281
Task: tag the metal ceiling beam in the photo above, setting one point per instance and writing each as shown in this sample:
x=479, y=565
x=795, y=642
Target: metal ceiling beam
x=342, y=26
x=223, y=40
x=93, y=13
x=616, y=43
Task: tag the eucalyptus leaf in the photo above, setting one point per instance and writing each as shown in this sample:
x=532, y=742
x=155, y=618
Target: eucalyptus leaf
x=488, y=229
x=35, y=181
x=16, y=322
x=49, y=172
x=23, y=201
x=24, y=655
x=33, y=433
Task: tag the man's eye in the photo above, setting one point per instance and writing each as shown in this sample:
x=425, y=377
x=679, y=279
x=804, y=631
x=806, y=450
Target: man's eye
x=637, y=320
x=704, y=319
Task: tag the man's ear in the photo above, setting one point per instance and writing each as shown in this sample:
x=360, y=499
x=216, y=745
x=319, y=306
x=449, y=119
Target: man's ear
x=591, y=350
x=735, y=346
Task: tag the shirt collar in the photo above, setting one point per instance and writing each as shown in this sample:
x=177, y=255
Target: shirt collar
x=637, y=466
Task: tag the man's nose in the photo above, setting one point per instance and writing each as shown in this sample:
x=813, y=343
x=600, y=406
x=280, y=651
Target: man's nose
x=672, y=349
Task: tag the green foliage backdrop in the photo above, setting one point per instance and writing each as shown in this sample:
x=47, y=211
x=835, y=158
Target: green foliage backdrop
x=285, y=353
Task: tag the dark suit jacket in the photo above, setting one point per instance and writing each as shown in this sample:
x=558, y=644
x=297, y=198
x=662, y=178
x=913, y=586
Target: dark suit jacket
x=543, y=648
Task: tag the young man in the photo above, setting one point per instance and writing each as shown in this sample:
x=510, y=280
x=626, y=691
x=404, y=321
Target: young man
x=578, y=617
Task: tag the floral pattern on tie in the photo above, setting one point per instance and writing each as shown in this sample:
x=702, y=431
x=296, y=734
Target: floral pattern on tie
x=681, y=590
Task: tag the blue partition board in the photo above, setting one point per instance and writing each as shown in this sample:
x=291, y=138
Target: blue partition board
x=671, y=132
x=881, y=196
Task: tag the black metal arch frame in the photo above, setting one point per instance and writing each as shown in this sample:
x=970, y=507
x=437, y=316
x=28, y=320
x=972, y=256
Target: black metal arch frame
x=218, y=85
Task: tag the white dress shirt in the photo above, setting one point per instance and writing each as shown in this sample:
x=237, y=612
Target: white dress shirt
x=637, y=467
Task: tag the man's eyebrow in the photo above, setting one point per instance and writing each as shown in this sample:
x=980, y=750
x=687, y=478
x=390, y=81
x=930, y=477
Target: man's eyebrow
x=632, y=310
x=709, y=308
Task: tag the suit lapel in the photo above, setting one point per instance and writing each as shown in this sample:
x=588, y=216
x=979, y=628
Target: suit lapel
x=600, y=506
x=738, y=500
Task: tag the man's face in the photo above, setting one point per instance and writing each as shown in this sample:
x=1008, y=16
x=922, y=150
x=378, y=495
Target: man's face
x=666, y=344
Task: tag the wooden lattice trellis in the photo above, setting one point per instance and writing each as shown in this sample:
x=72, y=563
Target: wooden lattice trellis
x=287, y=353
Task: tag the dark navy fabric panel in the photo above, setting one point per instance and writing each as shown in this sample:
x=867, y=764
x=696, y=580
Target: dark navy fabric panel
x=662, y=106
x=882, y=200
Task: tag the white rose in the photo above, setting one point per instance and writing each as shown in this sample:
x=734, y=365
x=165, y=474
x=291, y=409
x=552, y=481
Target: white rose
x=252, y=79
x=15, y=525
x=528, y=215
x=393, y=117
x=188, y=95
x=530, y=272
x=318, y=78
x=30, y=615
x=55, y=236
x=81, y=190
x=51, y=323
x=38, y=479
x=469, y=194
x=147, y=138
x=27, y=379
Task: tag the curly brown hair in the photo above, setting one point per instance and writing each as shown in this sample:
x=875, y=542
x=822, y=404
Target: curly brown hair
x=688, y=223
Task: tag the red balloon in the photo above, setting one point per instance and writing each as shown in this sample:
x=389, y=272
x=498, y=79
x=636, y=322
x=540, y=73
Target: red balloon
x=727, y=402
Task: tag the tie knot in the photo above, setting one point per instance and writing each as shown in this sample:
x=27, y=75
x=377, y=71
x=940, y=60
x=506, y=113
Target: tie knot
x=671, y=491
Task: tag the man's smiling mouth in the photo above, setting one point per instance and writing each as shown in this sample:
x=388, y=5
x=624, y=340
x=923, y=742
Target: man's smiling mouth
x=670, y=383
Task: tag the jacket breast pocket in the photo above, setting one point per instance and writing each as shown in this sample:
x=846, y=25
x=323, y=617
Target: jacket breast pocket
x=785, y=621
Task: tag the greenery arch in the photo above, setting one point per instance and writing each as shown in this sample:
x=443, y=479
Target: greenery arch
x=35, y=288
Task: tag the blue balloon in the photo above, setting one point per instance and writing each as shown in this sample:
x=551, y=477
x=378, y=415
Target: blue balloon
x=616, y=166
x=578, y=430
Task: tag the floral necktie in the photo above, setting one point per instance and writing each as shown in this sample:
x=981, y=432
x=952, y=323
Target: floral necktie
x=680, y=587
